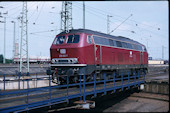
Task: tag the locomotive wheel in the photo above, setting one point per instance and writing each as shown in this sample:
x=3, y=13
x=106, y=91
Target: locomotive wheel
x=73, y=79
x=90, y=78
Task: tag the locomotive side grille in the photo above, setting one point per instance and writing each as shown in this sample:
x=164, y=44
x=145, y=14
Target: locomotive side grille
x=120, y=57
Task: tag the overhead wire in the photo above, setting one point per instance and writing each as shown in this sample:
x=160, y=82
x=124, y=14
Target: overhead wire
x=89, y=12
x=39, y=13
x=31, y=6
x=11, y=9
x=92, y=13
x=41, y=32
x=18, y=6
x=104, y=12
x=34, y=20
x=101, y=17
x=16, y=11
x=42, y=36
x=7, y=5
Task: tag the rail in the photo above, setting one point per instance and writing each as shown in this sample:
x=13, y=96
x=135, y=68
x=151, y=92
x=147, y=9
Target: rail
x=32, y=98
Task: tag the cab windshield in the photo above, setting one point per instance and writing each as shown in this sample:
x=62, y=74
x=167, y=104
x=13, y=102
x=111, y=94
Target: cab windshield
x=59, y=40
x=73, y=39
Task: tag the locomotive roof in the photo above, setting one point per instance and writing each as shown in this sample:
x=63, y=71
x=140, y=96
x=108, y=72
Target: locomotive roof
x=100, y=34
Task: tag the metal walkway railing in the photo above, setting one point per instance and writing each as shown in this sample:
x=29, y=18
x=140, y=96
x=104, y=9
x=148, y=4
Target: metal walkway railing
x=32, y=98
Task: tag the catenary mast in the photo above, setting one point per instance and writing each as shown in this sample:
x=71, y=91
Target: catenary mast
x=24, y=40
x=66, y=16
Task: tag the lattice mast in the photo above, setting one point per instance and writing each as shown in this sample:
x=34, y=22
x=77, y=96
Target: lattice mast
x=24, y=40
x=66, y=16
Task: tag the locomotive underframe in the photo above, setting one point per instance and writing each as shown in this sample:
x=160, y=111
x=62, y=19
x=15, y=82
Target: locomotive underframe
x=60, y=71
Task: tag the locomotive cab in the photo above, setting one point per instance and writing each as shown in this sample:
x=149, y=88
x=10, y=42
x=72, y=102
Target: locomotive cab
x=71, y=55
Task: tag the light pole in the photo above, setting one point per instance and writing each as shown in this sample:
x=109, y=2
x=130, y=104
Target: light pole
x=163, y=47
x=14, y=49
x=83, y=15
x=108, y=24
x=4, y=33
x=4, y=37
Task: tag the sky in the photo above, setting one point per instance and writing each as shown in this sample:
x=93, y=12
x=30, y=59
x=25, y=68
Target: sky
x=149, y=23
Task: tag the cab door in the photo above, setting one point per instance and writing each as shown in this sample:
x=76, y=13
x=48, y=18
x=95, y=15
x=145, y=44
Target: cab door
x=142, y=57
x=98, y=54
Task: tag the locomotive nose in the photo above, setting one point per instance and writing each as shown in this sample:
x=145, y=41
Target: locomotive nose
x=64, y=61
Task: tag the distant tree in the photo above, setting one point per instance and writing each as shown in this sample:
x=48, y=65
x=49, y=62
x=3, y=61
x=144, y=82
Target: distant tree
x=1, y=58
x=6, y=60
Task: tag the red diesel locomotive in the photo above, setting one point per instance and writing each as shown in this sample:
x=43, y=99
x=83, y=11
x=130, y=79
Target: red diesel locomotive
x=85, y=52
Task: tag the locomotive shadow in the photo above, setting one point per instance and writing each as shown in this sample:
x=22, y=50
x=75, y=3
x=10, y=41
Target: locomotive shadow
x=102, y=102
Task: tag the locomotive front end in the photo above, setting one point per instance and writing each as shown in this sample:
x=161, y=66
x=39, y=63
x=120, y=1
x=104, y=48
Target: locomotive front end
x=68, y=57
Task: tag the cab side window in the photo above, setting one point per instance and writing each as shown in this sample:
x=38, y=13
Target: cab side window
x=89, y=40
x=119, y=44
x=129, y=46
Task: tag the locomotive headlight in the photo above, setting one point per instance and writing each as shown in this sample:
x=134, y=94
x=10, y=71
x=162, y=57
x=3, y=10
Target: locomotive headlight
x=75, y=60
x=53, y=61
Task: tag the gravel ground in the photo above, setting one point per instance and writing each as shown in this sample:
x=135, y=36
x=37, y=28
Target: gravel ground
x=142, y=103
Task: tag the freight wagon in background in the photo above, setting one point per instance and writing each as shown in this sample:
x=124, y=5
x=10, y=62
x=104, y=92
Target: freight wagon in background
x=85, y=52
